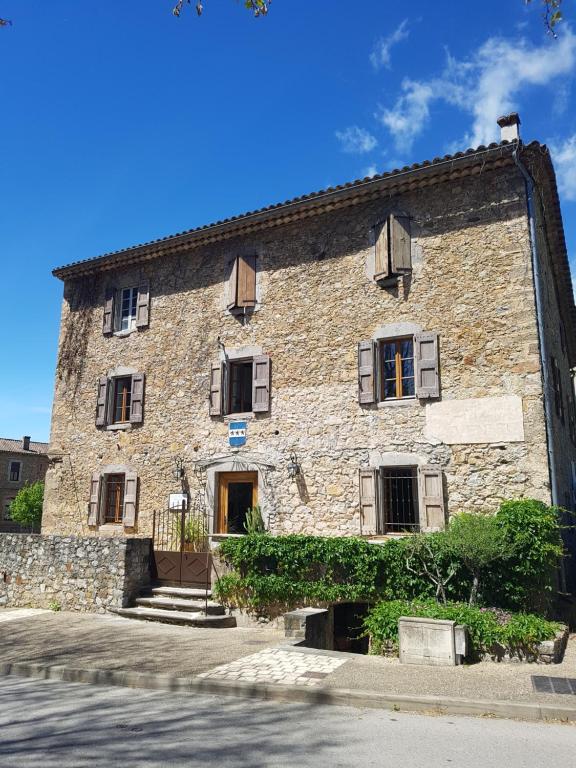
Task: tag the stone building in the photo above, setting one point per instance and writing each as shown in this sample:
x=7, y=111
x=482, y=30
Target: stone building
x=21, y=462
x=365, y=360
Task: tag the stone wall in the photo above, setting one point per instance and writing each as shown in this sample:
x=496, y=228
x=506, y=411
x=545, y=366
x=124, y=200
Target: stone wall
x=471, y=282
x=77, y=573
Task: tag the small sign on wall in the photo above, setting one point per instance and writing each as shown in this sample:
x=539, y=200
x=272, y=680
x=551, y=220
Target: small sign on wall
x=178, y=501
x=237, y=433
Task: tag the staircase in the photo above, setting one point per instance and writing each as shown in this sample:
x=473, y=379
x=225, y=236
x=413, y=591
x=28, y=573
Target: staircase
x=178, y=605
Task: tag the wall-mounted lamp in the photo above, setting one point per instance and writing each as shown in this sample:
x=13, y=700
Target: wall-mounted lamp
x=178, y=472
x=294, y=468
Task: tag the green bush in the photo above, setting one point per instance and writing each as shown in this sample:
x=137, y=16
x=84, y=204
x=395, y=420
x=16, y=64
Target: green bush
x=488, y=627
x=26, y=509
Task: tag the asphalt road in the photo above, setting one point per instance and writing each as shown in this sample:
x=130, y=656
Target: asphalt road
x=46, y=723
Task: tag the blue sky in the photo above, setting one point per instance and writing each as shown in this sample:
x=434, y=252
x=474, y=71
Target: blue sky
x=120, y=123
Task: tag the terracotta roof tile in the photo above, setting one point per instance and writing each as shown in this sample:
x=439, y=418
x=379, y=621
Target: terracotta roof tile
x=8, y=445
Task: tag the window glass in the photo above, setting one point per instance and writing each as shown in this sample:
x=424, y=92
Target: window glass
x=122, y=399
x=14, y=471
x=128, y=305
x=397, y=368
x=240, y=400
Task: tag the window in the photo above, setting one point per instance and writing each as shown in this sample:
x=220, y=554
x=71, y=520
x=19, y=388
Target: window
x=240, y=386
x=399, y=369
x=122, y=397
x=392, y=247
x=14, y=470
x=113, y=499
x=120, y=400
x=126, y=308
x=242, y=283
x=400, y=499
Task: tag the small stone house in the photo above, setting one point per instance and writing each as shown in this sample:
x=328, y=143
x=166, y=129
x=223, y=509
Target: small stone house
x=364, y=360
x=22, y=462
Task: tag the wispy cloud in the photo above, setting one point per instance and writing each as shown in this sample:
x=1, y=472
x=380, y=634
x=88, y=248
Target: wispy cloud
x=356, y=140
x=564, y=157
x=371, y=170
x=381, y=53
x=485, y=85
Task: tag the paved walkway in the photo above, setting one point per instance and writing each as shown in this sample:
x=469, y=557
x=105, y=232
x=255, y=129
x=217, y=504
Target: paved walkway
x=20, y=613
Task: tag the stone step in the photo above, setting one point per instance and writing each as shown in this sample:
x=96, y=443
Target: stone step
x=188, y=619
x=183, y=592
x=180, y=604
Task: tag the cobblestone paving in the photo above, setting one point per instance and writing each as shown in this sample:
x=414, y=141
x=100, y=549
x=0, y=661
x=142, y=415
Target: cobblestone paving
x=21, y=613
x=278, y=666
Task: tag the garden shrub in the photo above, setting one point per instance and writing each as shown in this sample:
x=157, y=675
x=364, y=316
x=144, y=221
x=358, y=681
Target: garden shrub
x=26, y=509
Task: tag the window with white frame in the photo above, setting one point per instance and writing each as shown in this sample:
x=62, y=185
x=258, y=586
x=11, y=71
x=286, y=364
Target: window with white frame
x=14, y=471
x=127, y=308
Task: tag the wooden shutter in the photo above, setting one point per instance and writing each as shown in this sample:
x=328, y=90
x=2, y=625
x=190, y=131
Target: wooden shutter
x=246, y=281
x=137, y=399
x=215, y=408
x=108, y=318
x=427, y=368
x=432, y=514
x=130, y=494
x=366, y=372
x=400, y=244
x=143, y=305
x=368, y=479
x=94, y=503
x=381, y=260
x=261, y=384
x=232, y=283
x=101, y=401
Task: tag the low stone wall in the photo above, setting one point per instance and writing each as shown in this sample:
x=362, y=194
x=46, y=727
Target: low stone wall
x=77, y=573
x=547, y=652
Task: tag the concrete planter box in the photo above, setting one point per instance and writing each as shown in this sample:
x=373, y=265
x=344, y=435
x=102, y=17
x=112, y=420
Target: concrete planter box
x=548, y=652
x=434, y=642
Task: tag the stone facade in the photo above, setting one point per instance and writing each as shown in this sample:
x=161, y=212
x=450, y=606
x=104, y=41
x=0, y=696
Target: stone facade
x=80, y=574
x=31, y=459
x=471, y=282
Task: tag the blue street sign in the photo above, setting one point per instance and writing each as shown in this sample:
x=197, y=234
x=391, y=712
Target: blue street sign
x=237, y=433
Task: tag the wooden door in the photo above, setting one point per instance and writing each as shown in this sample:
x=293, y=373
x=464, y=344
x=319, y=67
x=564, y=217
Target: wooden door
x=236, y=492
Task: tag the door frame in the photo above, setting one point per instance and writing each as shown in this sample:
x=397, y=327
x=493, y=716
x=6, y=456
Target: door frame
x=224, y=480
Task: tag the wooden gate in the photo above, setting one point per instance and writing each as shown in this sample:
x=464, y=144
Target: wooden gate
x=181, y=552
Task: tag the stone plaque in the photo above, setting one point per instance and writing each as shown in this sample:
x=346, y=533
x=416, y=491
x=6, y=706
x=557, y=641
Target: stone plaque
x=427, y=641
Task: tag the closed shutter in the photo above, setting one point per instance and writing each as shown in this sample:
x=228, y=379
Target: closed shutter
x=368, y=479
x=137, y=399
x=366, y=369
x=381, y=261
x=261, y=384
x=232, y=283
x=427, y=368
x=130, y=494
x=215, y=407
x=432, y=514
x=101, y=401
x=94, y=503
x=401, y=244
x=143, y=305
x=108, y=318
x=246, y=281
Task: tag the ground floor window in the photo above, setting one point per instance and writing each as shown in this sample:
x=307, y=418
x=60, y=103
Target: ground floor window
x=399, y=500
x=114, y=498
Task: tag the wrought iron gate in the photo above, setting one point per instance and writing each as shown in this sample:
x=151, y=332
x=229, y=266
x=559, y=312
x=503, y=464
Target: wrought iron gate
x=181, y=551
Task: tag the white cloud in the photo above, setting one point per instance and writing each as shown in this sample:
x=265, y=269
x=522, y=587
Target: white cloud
x=380, y=56
x=564, y=157
x=485, y=85
x=356, y=140
x=371, y=170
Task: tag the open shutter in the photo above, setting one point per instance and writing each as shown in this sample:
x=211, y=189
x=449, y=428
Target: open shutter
x=108, y=318
x=143, y=305
x=130, y=493
x=432, y=514
x=246, y=281
x=401, y=244
x=366, y=371
x=101, y=401
x=381, y=261
x=232, y=283
x=426, y=358
x=137, y=399
x=215, y=408
x=261, y=384
x=368, y=479
x=94, y=503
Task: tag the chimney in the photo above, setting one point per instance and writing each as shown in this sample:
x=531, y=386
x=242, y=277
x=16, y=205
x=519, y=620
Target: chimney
x=509, y=127
x=26, y=443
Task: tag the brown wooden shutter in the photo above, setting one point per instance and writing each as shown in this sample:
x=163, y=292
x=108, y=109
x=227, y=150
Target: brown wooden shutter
x=381, y=260
x=427, y=367
x=101, y=401
x=94, y=503
x=246, y=281
x=130, y=494
x=400, y=244
x=368, y=479
x=432, y=514
x=143, y=305
x=261, y=384
x=366, y=372
x=215, y=408
x=108, y=318
x=137, y=399
x=232, y=283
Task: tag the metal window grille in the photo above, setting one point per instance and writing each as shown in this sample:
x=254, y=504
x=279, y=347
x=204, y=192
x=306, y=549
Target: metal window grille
x=114, y=499
x=400, y=499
